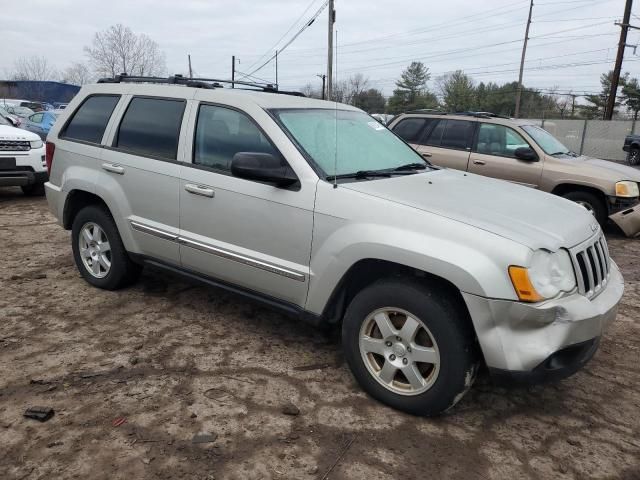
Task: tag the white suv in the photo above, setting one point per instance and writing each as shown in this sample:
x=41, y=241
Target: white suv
x=22, y=159
x=316, y=209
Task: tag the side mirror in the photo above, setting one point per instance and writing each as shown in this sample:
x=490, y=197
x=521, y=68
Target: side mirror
x=526, y=153
x=262, y=167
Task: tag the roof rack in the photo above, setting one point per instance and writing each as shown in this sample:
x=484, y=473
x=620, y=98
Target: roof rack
x=432, y=111
x=208, y=83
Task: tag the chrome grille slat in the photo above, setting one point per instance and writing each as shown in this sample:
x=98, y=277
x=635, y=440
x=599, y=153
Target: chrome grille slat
x=14, y=146
x=592, y=265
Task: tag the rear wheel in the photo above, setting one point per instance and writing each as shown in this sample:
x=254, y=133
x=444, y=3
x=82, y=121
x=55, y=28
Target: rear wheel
x=99, y=252
x=409, y=347
x=591, y=202
x=634, y=156
x=33, y=190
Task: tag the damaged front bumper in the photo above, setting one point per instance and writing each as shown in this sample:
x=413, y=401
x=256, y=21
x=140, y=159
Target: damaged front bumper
x=628, y=220
x=546, y=341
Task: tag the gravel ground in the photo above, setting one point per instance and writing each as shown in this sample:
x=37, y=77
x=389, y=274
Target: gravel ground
x=175, y=359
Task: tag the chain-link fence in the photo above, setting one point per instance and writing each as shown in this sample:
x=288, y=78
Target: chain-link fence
x=595, y=138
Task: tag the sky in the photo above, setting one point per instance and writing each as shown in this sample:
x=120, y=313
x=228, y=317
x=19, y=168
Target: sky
x=571, y=41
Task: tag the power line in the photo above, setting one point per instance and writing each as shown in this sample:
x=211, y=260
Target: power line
x=304, y=27
x=284, y=35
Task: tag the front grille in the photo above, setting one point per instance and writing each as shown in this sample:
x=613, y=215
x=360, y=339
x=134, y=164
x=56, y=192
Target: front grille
x=592, y=264
x=14, y=146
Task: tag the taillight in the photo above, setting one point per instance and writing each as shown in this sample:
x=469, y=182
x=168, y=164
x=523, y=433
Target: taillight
x=50, y=150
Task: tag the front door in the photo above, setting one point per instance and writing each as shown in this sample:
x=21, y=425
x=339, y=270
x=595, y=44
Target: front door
x=243, y=232
x=448, y=143
x=494, y=156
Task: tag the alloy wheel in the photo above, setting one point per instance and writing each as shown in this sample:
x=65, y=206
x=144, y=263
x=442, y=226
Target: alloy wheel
x=399, y=351
x=95, y=250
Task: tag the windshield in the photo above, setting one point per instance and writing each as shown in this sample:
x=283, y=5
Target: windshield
x=361, y=142
x=547, y=142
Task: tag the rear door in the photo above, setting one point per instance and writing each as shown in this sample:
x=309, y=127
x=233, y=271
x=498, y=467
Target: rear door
x=494, y=156
x=140, y=173
x=240, y=231
x=448, y=143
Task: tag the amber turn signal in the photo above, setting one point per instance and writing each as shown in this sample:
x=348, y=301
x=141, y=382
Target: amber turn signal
x=525, y=290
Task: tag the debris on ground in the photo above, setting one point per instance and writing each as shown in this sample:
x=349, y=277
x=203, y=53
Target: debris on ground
x=290, y=409
x=204, y=438
x=42, y=414
x=118, y=421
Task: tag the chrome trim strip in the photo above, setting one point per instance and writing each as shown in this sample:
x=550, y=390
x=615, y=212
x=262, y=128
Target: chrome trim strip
x=153, y=231
x=242, y=259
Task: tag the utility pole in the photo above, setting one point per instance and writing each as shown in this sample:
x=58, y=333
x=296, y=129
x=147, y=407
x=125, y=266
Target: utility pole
x=324, y=78
x=615, y=79
x=573, y=103
x=332, y=19
x=233, y=70
x=190, y=71
x=524, y=52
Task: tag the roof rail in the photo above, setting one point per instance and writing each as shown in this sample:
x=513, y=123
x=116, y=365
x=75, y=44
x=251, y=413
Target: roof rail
x=433, y=111
x=207, y=83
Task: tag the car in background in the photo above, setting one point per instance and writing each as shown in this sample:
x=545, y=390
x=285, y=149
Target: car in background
x=40, y=123
x=18, y=111
x=22, y=159
x=59, y=106
x=521, y=152
x=14, y=120
x=383, y=118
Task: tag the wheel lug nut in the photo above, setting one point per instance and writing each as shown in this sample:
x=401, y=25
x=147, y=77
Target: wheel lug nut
x=392, y=357
x=405, y=361
x=398, y=339
x=409, y=349
x=388, y=344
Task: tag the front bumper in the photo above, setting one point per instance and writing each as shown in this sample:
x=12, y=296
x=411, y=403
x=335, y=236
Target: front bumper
x=628, y=220
x=21, y=177
x=521, y=339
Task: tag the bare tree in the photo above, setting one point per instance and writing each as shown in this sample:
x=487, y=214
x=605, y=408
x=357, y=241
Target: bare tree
x=34, y=68
x=119, y=50
x=310, y=91
x=76, y=74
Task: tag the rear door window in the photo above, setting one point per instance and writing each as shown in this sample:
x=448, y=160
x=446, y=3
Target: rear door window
x=434, y=137
x=151, y=127
x=457, y=134
x=90, y=120
x=410, y=129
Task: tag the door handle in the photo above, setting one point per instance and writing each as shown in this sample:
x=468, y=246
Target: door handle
x=479, y=162
x=113, y=168
x=426, y=154
x=199, y=190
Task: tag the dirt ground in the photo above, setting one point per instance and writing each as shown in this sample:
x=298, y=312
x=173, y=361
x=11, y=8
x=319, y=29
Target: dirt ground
x=176, y=359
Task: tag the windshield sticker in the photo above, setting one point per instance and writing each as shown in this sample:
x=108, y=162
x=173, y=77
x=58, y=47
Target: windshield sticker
x=376, y=125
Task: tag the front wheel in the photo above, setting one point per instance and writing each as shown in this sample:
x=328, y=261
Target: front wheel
x=591, y=202
x=410, y=346
x=634, y=156
x=33, y=190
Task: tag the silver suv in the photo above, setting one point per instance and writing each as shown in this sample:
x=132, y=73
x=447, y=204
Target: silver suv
x=316, y=209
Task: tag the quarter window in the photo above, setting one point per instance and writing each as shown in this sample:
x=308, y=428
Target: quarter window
x=221, y=133
x=90, y=120
x=151, y=127
x=499, y=140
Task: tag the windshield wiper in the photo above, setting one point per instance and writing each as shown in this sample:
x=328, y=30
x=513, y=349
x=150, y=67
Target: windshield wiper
x=361, y=174
x=411, y=166
x=560, y=153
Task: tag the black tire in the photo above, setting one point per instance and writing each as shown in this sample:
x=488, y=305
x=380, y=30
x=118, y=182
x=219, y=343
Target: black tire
x=633, y=157
x=33, y=190
x=123, y=271
x=449, y=326
x=592, y=202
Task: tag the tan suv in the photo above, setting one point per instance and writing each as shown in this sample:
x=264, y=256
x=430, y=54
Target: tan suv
x=524, y=153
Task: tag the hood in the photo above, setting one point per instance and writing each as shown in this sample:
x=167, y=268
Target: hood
x=611, y=169
x=525, y=215
x=12, y=133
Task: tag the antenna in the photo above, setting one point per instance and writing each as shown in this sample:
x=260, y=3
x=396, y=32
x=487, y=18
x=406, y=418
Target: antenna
x=335, y=158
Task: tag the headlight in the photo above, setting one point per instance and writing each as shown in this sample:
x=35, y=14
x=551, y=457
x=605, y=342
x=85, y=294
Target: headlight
x=36, y=144
x=627, y=188
x=547, y=276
